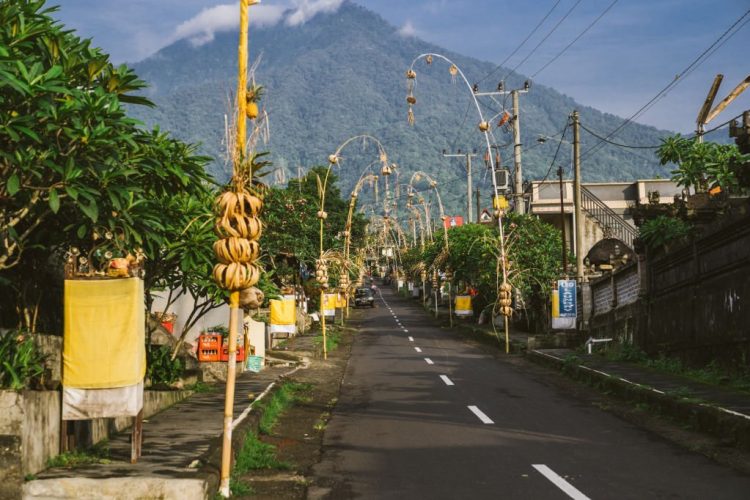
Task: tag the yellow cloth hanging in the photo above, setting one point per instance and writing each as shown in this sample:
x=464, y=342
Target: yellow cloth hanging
x=282, y=312
x=104, y=335
x=463, y=305
x=340, y=300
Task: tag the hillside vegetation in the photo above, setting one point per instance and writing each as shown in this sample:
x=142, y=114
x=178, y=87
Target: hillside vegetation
x=342, y=74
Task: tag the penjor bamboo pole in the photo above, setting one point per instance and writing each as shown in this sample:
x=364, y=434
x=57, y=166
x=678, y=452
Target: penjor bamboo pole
x=234, y=297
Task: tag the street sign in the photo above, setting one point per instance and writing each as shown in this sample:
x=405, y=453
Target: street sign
x=564, y=307
x=485, y=217
x=566, y=291
x=500, y=202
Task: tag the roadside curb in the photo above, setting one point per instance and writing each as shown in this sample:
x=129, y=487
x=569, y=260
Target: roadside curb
x=246, y=422
x=720, y=422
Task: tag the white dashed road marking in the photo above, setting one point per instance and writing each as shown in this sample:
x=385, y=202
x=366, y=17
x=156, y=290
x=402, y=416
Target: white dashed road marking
x=411, y=339
x=484, y=418
x=418, y=349
x=447, y=380
x=561, y=483
x=429, y=361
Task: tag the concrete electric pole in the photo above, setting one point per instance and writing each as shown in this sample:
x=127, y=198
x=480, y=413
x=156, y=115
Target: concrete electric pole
x=577, y=195
x=518, y=178
x=469, y=185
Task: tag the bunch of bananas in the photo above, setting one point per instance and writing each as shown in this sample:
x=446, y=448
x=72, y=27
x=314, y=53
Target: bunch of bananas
x=238, y=228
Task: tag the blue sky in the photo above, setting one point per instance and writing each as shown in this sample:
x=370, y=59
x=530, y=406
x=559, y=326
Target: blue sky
x=628, y=56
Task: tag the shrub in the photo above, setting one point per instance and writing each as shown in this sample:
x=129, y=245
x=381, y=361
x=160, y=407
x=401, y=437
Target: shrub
x=161, y=368
x=21, y=363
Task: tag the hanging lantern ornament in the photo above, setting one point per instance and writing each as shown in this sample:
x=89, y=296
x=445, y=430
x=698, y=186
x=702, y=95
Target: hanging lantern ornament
x=453, y=70
x=333, y=159
x=411, y=74
x=322, y=214
x=428, y=59
x=484, y=126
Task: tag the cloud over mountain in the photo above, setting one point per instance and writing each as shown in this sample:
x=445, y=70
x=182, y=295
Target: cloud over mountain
x=201, y=28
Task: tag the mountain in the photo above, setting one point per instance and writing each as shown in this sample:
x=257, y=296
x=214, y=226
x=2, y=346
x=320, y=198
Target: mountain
x=341, y=74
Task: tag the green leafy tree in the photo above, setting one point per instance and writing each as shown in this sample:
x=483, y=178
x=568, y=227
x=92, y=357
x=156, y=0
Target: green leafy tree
x=703, y=165
x=532, y=254
x=63, y=134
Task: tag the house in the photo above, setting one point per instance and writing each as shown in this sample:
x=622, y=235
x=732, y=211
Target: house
x=606, y=206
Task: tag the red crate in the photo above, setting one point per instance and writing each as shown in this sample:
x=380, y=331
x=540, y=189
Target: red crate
x=209, y=348
x=225, y=353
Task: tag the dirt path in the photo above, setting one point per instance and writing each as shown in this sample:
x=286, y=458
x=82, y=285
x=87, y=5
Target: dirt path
x=298, y=435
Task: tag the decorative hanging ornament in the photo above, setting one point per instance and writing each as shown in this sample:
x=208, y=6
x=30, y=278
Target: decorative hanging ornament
x=453, y=70
x=428, y=59
x=503, y=119
x=333, y=159
x=484, y=126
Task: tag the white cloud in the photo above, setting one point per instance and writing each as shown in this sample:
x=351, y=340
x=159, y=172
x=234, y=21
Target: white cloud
x=407, y=30
x=201, y=28
x=307, y=9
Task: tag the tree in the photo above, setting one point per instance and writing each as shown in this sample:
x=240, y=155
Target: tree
x=704, y=165
x=532, y=250
x=74, y=169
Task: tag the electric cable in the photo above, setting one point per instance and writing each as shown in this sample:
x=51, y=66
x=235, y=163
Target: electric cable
x=574, y=40
x=521, y=44
x=554, y=28
x=678, y=78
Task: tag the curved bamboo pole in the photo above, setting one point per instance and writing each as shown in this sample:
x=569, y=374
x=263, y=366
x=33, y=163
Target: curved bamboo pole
x=334, y=159
x=418, y=175
x=487, y=134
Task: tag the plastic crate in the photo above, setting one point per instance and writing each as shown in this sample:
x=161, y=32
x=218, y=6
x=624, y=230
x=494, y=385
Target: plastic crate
x=225, y=353
x=209, y=348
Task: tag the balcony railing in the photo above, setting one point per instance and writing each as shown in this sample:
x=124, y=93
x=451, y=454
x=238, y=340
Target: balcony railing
x=612, y=224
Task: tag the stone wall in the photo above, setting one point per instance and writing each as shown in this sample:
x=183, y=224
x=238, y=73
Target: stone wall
x=699, y=296
x=692, y=302
x=615, y=308
x=29, y=435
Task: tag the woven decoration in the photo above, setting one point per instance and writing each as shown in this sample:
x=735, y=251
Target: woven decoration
x=238, y=228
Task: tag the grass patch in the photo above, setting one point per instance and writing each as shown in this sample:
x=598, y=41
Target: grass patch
x=288, y=394
x=238, y=488
x=712, y=373
x=333, y=337
x=97, y=454
x=257, y=455
x=200, y=387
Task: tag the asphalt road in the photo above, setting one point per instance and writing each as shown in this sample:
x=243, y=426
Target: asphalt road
x=423, y=414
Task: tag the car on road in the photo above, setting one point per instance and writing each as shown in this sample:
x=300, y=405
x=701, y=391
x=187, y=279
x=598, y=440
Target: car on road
x=363, y=297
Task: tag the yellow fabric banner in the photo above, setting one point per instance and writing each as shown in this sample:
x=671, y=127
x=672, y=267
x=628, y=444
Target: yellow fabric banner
x=340, y=300
x=463, y=305
x=104, y=335
x=282, y=312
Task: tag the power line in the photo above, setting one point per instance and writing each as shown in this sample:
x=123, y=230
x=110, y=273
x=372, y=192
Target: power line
x=554, y=28
x=721, y=40
x=575, y=39
x=615, y=143
x=522, y=43
x=552, y=163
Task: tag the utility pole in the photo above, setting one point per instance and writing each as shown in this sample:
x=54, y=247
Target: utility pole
x=518, y=178
x=518, y=188
x=577, y=195
x=479, y=208
x=469, y=186
x=562, y=224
